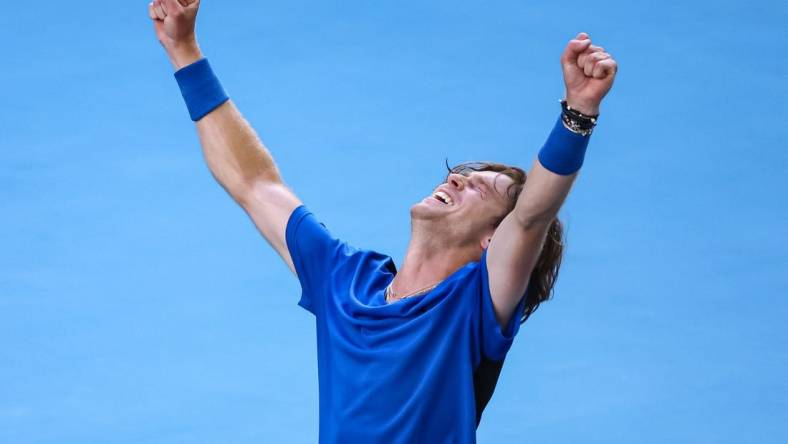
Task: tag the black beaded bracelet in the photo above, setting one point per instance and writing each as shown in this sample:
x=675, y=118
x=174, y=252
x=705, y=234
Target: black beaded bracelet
x=576, y=121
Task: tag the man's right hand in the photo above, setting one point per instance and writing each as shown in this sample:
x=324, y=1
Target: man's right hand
x=174, y=22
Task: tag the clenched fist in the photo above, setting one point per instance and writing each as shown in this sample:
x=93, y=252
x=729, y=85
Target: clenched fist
x=174, y=22
x=588, y=74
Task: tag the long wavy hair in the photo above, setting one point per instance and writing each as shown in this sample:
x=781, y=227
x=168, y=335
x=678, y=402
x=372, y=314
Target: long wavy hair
x=545, y=272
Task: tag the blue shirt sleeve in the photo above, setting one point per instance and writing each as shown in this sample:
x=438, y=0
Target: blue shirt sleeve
x=493, y=342
x=315, y=253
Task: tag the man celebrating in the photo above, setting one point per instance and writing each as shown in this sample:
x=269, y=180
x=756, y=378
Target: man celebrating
x=408, y=355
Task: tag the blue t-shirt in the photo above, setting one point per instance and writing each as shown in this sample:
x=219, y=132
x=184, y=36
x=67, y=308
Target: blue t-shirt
x=399, y=372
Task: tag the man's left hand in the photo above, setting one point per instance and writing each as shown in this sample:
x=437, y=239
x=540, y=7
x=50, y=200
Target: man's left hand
x=588, y=74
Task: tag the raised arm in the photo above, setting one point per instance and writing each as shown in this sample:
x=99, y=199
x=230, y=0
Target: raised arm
x=235, y=155
x=517, y=242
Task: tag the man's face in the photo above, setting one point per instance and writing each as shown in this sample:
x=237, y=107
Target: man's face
x=466, y=205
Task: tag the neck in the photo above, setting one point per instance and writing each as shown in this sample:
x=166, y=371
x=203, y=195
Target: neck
x=428, y=262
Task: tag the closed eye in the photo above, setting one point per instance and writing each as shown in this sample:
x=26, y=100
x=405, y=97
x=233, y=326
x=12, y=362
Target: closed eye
x=481, y=186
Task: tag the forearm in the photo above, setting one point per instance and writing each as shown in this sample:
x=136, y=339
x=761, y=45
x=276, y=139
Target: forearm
x=588, y=75
x=543, y=196
x=234, y=153
x=551, y=176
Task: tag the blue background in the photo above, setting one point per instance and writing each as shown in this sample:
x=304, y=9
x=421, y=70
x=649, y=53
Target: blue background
x=139, y=305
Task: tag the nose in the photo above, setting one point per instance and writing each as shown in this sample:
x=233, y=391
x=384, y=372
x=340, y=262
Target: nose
x=457, y=181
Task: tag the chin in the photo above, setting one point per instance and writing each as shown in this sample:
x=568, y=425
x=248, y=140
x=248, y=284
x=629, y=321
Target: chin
x=424, y=211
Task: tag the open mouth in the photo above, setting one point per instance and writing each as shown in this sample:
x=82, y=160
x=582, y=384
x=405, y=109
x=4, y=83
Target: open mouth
x=443, y=198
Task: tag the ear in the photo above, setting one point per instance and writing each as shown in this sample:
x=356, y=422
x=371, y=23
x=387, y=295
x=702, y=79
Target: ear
x=485, y=242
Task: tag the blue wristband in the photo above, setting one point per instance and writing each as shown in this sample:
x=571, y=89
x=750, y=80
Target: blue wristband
x=564, y=151
x=200, y=88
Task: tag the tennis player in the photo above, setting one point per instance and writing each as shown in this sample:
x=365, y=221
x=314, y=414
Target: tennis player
x=409, y=354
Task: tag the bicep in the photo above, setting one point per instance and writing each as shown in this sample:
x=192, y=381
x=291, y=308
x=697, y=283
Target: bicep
x=511, y=257
x=269, y=205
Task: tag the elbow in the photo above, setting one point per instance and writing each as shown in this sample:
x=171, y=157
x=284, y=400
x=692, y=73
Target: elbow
x=238, y=189
x=251, y=193
x=246, y=190
x=243, y=196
